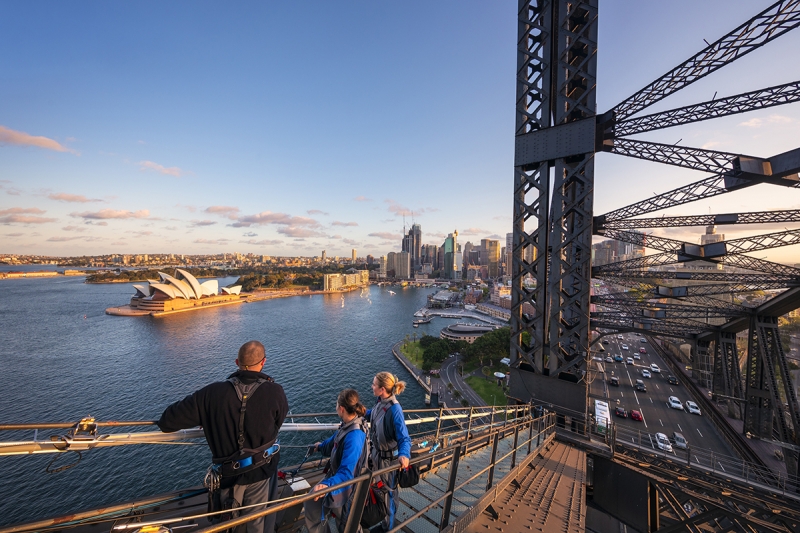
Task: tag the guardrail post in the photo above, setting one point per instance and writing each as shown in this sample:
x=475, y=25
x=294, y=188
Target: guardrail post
x=451, y=485
x=514, y=453
x=439, y=423
x=491, y=465
x=491, y=419
x=360, y=494
x=530, y=436
x=469, y=423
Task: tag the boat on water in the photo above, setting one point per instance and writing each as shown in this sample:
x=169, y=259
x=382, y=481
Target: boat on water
x=392, y=293
x=424, y=320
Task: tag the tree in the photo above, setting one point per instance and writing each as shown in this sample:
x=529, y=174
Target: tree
x=464, y=402
x=450, y=387
x=456, y=394
x=486, y=371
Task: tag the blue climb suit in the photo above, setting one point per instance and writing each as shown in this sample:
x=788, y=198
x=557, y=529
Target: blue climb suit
x=388, y=440
x=348, y=452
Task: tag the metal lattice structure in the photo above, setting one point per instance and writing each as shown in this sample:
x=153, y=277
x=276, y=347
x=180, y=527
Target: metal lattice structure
x=558, y=131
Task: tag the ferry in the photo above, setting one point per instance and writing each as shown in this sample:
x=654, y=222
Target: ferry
x=425, y=320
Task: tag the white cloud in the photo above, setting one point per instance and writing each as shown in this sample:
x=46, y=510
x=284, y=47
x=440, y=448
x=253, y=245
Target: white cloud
x=150, y=166
x=20, y=138
x=111, y=213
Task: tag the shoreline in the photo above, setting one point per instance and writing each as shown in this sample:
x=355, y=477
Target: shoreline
x=127, y=310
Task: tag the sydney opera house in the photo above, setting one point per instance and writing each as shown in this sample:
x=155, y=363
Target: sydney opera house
x=177, y=293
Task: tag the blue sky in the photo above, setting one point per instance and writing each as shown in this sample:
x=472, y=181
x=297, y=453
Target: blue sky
x=288, y=128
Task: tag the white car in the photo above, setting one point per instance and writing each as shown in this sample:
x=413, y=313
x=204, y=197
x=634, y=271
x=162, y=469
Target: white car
x=629, y=361
x=646, y=373
x=619, y=336
x=624, y=346
x=654, y=369
x=663, y=442
x=674, y=403
x=637, y=356
x=609, y=359
x=692, y=408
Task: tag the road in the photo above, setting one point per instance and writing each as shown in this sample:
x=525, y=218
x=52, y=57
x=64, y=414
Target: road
x=657, y=416
x=449, y=374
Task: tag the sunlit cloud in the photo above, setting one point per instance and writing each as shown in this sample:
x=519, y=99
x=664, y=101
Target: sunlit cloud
x=223, y=211
x=473, y=231
x=63, y=239
x=387, y=236
x=335, y=237
x=268, y=217
x=95, y=223
x=73, y=228
x=338, y=223
x=14, y=234
x=23, y=215
x=301, y=232
x=170, y=228
x=772, y=119
x=150, y=166
x=495, y=236
x=20, y=138
x=111, y=213
x=250, y=234
x=140, y=233
x=402, y=210
x=79, y=198
x=211, y=241
x=362, y=199
x=351, y=242
x=264, y=242
x=200, y=223
x=316, y=212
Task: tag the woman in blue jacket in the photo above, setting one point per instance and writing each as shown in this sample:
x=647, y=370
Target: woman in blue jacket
x=389, y=440
x=348, y=452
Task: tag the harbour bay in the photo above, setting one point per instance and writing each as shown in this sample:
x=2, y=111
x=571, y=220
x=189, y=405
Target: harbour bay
x=63, y=358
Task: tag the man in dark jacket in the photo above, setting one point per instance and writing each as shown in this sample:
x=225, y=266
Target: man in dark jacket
x=240, y=418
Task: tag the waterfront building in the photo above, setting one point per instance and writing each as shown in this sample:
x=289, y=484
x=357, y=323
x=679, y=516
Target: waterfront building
x=382, y=268
x=442, y=299
x=402, y=265
x=351, y=279
x=465, y=332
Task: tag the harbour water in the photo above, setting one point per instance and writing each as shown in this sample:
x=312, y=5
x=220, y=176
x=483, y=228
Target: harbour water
x=63, y=358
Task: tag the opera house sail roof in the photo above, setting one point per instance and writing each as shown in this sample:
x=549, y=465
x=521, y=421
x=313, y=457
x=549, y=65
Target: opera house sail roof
x=183, y=286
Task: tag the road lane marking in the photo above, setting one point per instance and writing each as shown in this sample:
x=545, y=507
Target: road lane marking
x=659, y=388
x=637, y=398
x=698, y=430
x=720, y=465
x=696, y=459
x=621, y=394
x=643, y=420
x=670, y=389
x=651, y=400
x=662, y=423
x=679, y=427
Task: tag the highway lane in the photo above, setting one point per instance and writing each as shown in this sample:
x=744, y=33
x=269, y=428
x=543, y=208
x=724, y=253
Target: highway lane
x=658, y=417
x=449, y=374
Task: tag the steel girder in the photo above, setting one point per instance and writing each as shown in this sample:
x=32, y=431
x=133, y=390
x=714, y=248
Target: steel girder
x=771, y=23
x=731, y=105
x=766, y=412
x=727, y=371
x=764, y=217
x=534, y=104
x=701, y=159
x=556, y=80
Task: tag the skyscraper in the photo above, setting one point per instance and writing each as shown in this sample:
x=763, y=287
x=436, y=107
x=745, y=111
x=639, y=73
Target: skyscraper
x=324, y=256
x=354, y=256
x=412, y=243
x=491, y=248
x=450, y=247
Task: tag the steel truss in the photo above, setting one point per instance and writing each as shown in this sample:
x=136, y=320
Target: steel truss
x=557, y=134
x=686, y=499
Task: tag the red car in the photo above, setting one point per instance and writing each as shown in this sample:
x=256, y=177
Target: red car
x=620, y=411
x=642, y=350
x=636, y=415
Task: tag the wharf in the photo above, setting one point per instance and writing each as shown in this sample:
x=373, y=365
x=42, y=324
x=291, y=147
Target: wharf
x=459, y=313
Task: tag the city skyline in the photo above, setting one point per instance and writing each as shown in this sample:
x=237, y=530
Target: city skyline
x=191, y=128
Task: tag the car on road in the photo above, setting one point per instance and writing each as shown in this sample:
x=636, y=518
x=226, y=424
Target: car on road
x=618, y=358
x=672, y=380
x=621, y=412
x=679, y=440
x=674, y=403
x=605, y=341
x=646, y=373
x=642, y=340
x=692, y=408
x=642, y=350
x=640, y=386
x=629, y=361
x=654, y=369
x=619, y=336
x=636, y=415
x=624, y=346
x=609, y=359
x=663, y=442
x=614, y=381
